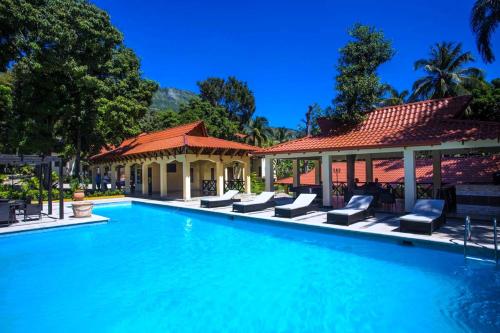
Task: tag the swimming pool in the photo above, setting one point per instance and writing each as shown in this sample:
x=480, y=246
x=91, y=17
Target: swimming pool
x=159, y=269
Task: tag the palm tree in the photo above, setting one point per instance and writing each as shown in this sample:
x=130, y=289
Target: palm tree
x=484, y=20
x=281, y=134
x=394, y=97
x=258, y=131
x=446, y=72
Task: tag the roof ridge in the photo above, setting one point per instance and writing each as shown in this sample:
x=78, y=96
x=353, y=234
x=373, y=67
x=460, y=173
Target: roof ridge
x=431, y=100
x=197, y=122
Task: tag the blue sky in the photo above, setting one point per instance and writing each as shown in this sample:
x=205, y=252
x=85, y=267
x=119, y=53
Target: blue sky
x=285, y=50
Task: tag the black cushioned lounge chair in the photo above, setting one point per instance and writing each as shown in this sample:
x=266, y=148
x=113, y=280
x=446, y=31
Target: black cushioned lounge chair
x=426, y=216
x=224, y=200
x=300, y=206
x=262, y=201
x=357, y=209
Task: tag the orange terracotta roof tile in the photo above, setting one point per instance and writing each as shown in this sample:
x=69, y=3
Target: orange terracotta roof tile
x=415, y=124
x=454, y=170
x=192, y=135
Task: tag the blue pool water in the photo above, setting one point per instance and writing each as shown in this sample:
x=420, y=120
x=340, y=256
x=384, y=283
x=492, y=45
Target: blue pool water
x=155, y=269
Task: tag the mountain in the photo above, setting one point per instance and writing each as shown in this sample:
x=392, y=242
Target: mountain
x=170, y=98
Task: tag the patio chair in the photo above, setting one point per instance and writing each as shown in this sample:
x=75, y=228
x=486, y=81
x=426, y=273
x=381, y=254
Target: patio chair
x=224, y=200
x=300, y=206
x=357, y=209
x=32, y=210
x=262, y=201
x=427, y=215
x=6, y=214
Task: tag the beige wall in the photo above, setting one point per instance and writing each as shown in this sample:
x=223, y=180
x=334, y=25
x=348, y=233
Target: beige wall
x=174, y=180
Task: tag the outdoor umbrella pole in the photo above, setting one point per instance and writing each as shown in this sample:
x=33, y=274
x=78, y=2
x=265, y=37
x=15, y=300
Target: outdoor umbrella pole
x=61, y=193
x=49, y=184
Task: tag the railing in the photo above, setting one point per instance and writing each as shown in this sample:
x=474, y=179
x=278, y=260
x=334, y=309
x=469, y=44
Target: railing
x=424, y=190
x=209, y=186
x=235, y=184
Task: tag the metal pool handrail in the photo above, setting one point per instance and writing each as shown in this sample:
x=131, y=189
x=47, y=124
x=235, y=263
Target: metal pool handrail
x=468, y=235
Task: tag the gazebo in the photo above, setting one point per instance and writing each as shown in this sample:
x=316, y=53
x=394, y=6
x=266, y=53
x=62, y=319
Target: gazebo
x=431, y=128
x=175, y=162
x=43, y=165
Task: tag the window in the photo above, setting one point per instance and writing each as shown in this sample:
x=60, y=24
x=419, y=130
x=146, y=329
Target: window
x=212, y=174
x=191, y=174
x=171, y=168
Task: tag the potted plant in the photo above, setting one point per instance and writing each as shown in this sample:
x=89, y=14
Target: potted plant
x=77, y=189
x=82, y=208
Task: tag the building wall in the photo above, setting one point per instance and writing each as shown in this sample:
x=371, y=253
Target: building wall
x=174, y=179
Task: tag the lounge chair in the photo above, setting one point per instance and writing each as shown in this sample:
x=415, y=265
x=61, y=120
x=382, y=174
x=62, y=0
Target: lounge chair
x=32, y=210
x=357, y=209
x=262, y=201
x=224, y=200
x=427, y=215
x=300, y=206
x=6, y=214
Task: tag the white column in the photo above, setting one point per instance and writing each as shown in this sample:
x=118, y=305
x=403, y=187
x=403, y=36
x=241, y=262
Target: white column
x=269, y=175
x=219, y=177
x=436, y=171
x=113, y=171
x=317, y=172
x=247, y=178
x=126, y=174
x=326, y=175
x=263, y=167
x=163, y=179
x=410, y=181
x=369, y=169
x=144, y=179
x=186, y=179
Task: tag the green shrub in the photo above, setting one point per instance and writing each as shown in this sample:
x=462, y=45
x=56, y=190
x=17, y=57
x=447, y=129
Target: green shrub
x=256, y=183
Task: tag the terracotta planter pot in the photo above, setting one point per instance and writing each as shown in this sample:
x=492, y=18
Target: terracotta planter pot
x=78, y=196
x=82, y=209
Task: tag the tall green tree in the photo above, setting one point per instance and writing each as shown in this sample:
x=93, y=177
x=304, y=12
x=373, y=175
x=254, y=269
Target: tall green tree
x=6, y=115
x=258, y=131
x=393, y=97
x=484, y=21
x=446, y=72
x=216, y=118
x=357, y=83
x=281, y=134
x=232, y=94
x=75, y=84
x=158, y=120
x=309, y=125
x=485, y=103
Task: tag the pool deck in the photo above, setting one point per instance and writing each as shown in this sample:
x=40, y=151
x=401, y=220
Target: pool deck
x=382, y=225
x=52, y=221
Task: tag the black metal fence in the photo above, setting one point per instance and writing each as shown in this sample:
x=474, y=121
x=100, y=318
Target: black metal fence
x=210, y=186
x=235, y=184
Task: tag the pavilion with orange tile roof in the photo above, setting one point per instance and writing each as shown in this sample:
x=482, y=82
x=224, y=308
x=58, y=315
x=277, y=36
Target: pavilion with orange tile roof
x=179, y=160
x=429, y=128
